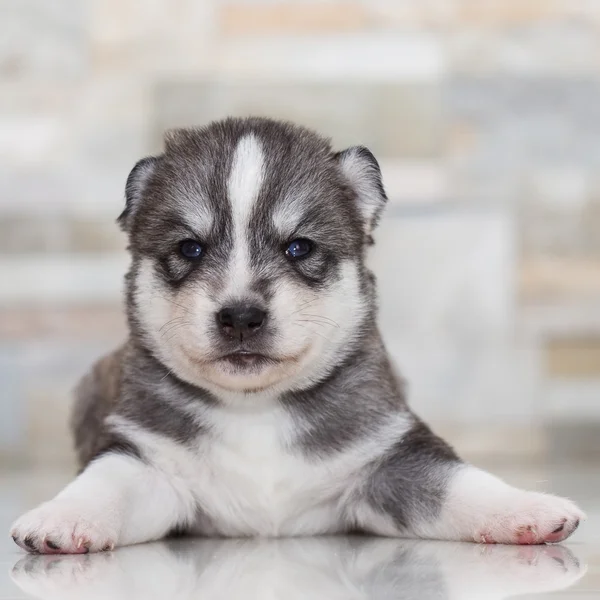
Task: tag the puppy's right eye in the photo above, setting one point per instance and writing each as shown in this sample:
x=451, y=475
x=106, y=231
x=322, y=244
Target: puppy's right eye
x=190, y=249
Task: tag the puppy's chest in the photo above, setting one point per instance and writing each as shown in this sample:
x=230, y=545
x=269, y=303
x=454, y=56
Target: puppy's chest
x=251, y=479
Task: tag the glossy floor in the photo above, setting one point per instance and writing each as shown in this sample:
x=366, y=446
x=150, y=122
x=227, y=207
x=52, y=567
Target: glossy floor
x=316, y=568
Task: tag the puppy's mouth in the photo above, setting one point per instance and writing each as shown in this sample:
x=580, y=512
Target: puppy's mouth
x=245, y=360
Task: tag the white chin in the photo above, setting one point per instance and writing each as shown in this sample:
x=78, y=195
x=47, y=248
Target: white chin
x=255, y=375
x=236, y=374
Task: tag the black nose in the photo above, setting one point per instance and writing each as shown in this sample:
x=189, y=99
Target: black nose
x=241, y=321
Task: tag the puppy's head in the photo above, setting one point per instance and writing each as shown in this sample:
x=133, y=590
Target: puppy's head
x=248, y=239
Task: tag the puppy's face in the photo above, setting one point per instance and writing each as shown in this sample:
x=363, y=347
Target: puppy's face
x=248, y=239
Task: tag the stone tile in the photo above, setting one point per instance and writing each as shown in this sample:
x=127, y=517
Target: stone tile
x=43, y=40
x=556, y=234
x=164, y=36
x=366, y=57
x=13, y=420
x=573, y=358
x=70, y=279
x=569, y=48
x=504, y=126
x=447, y=313
x=520, y=121
x=20, y=234
x=573, y=442
x=446, y=271
x=25, y=97
x=87, y=322
x=241, y=18
x=95, y=236
x=414, y=182
x=552, y=280
x=560, y=215
x=43, y=375
x=436, y=15
x=393, y=120
x=487, y=443
x=111, y=119
x=34, y=123
x=410, y=121
x=68, y=149
x=508, y=12
x=48, y=437
x=36, y=190
x=562, y=188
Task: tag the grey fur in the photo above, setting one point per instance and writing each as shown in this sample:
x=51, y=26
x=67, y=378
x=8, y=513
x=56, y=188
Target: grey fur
x=328, y=422
x=359, y=393
x=411, y=479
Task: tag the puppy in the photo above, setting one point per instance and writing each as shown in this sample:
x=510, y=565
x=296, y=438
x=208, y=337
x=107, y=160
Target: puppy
x=254, y=396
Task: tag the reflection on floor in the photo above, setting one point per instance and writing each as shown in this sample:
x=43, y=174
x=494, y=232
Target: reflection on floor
x=315, y=568
x=325, y=568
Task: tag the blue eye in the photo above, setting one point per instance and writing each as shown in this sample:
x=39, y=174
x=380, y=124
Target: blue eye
x=190, y=249
x=299, y=248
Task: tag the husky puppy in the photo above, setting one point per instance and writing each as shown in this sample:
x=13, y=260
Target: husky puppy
x=254, y=396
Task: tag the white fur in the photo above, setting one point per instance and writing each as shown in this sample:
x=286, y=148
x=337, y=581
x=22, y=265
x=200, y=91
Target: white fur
x=325, y=323
x=241, y=474
x=245, y=179
x=316, y=328
x=117, y=500
x=482, y=508
x=288, y=214
x=359, y=172
x=246, y=479
x=296, y=569
x=243, y=186
x=142, y=176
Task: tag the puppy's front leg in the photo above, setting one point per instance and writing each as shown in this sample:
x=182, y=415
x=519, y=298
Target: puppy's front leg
x=480, y=507
x=421, y=488
x=116, y=501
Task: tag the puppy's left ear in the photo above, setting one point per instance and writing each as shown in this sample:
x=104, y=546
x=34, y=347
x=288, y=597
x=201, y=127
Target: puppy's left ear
x=361, y=169
x=134, y=189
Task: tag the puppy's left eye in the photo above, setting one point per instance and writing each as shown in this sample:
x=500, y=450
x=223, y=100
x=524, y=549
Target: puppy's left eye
x=299, y=248
x=190, y=249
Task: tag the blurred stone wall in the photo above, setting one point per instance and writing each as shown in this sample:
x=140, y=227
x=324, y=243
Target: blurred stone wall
x=485, y=115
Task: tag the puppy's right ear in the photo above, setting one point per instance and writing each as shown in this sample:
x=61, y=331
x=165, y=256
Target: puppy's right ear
x=134, y=189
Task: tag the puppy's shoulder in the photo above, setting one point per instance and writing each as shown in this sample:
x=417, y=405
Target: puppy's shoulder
x=96, y=395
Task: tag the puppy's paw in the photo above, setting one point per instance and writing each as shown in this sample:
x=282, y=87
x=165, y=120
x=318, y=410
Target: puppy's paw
x=64, y=527
x=529, y=518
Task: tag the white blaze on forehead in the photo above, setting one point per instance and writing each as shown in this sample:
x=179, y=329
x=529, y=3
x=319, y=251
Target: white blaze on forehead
x=245, y=178
x=244, y=184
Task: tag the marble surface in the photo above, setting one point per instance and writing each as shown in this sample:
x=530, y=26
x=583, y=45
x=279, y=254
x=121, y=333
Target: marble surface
x=327, y=567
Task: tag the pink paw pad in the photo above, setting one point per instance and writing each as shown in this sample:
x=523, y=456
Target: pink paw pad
x=528, y=535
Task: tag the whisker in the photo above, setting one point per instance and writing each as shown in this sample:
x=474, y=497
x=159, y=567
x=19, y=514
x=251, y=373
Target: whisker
x=169, y=372
x=175, y=330
x=311, y=330
x=313, y=322
x=304, y=305
x=175, y=320
x=175, y=327
x=187, y=310
x=321, y=318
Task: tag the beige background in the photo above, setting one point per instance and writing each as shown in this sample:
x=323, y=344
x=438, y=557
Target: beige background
x=485, y=115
